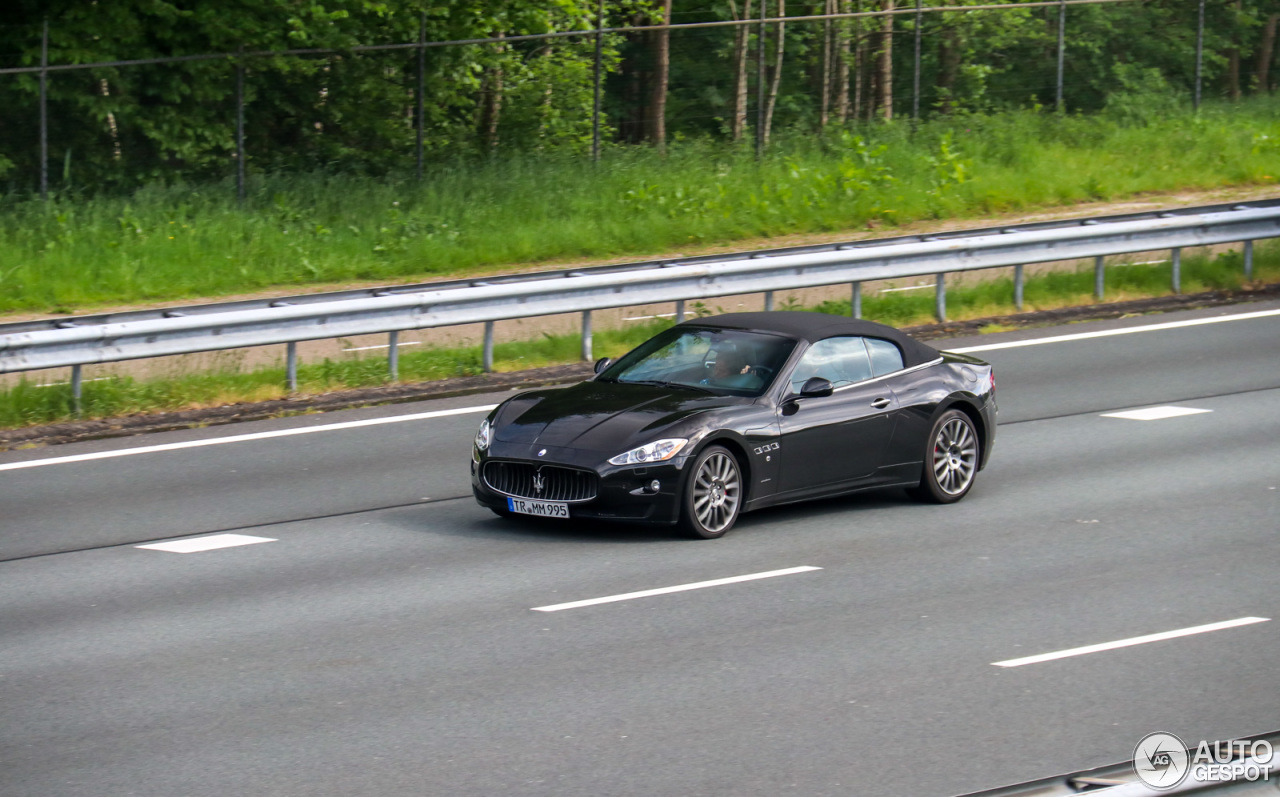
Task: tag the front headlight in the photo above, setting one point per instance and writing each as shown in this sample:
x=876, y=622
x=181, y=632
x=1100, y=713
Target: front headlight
x=654, y=452
x=484, y=436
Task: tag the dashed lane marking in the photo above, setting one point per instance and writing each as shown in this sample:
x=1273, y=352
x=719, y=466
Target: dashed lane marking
x=1138, y=640
x=210, y=543
x=680, y=588
x=1154, y=413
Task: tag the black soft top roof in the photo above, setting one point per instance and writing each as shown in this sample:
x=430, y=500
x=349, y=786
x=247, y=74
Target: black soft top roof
x=812, y=327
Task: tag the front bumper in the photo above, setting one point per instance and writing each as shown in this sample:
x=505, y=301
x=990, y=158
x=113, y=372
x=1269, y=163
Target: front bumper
x=623, y=492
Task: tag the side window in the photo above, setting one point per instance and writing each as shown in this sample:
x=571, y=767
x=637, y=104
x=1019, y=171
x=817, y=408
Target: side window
x=885, y=356
x=841, y=361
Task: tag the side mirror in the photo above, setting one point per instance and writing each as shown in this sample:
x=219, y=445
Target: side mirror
x=816, y=387
x=603, y=363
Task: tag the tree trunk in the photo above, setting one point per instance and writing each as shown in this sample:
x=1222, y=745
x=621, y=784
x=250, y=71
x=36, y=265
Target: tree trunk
x=1233, y=56
x=859, y=65
x=886, y=64
x=1265, y=48
x=842, y=64
x=741, y=40
x=828, y=65
x=491, y=103
x=655, y=119
x=777, y=72
x=949, y=52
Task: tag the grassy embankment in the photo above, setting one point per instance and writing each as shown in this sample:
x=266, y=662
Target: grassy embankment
x=180, y=242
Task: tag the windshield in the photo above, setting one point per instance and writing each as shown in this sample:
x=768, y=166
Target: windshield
x=721, y=361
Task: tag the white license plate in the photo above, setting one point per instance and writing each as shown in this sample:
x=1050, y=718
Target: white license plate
x=540, y=508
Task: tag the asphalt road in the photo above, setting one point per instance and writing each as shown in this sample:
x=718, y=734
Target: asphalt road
x=384, y=642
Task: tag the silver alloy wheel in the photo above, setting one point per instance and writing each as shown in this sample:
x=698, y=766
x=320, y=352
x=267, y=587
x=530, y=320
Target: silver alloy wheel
x=955, y=456
x=717, y=490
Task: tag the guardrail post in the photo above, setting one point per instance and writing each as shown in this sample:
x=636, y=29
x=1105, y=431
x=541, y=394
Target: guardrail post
x=393, y=354
x=1099, y=275
x=1248, y=260
x=487, y=356
x=768, y=301
x=1017, y=287
x=77, y=389
x=940, y=299
x=1177, y=269
x=586, y=335
x=291, y=366
x=680, y=312
x=856, y=305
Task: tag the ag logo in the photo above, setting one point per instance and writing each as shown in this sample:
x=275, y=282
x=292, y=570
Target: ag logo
x=1161, y=761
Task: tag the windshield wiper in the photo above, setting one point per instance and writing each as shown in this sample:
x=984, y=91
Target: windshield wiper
x=660, y=383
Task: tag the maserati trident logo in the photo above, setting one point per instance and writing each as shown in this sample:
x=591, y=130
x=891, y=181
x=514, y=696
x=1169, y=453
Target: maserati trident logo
x=538, y=483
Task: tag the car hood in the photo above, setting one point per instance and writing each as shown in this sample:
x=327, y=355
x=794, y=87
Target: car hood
x=599, y=416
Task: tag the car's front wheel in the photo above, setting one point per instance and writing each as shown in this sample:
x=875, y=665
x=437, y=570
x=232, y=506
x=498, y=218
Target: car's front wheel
x=713, y=494
x=950, y=460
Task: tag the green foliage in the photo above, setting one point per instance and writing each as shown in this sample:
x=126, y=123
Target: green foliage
x=188, y=240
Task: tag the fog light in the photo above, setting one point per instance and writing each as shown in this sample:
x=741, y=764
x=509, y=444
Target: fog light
x=654, y=486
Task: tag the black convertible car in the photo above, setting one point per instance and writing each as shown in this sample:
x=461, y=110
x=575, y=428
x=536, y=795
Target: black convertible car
x=718, y=416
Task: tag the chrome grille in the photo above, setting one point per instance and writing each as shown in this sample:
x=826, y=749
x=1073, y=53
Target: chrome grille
x=522, y=479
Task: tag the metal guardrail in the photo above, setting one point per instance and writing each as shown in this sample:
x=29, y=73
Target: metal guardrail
x=80, y=341
x=1121, y=780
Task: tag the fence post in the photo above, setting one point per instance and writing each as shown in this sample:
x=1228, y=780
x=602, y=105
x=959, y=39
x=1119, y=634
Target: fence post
x=1099, y=275
x=764, y=4
x=1199, y=56
x=44, y=115
x=1177, y=270
x=240, y=127
x=1017, y=287
x=487, y=356
x=393, y=354
x=1062, y=49
x=855, y=309
x=422, y=70
x=291, y=366
x=1248, y=260
x=595, y=109
x=586, y=335
x=680, y=311
x=940, y=299
x=768, y=301
x=915, y=94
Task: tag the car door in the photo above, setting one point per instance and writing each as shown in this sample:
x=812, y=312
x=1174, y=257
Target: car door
x=826, y=441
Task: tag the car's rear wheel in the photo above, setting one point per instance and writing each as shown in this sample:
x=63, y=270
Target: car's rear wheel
x=713, y=494
x=950, y=460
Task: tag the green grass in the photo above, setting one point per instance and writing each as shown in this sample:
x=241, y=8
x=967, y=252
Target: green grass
x=29, y=404
x=179, y=242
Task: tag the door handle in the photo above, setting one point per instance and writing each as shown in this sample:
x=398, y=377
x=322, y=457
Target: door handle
x=881, y=403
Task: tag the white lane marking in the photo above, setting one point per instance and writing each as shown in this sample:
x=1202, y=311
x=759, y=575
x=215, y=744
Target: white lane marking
x=1154, y=413
x=1194, y=322
x=210, y=543
x=681, y=588
x=241, y=438
x=1138, y=640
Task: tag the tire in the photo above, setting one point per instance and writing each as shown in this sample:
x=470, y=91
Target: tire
x=950, y=459
x=713, y=494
